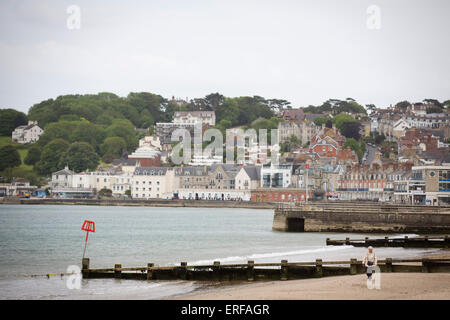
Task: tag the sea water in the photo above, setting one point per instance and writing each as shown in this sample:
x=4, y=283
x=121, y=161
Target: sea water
x=36, y=240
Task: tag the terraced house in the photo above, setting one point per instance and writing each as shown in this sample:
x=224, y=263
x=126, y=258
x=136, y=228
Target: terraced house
x=362, y=184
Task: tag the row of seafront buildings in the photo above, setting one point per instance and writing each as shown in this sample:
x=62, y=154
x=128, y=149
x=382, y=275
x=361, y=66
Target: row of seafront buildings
x=428, y=185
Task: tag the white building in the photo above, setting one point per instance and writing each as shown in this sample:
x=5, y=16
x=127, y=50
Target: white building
x=276, y=176
x=62, y=178
x=98, y=180
x=248, y=178
x=399, y=128
x=150, y=141
x=153, y=183
x=195, y=117
x=214, y=194
x=27, y=133
x=200, y=160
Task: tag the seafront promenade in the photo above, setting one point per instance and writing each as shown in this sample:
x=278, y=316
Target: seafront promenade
x=144, y=203
x=361, y=217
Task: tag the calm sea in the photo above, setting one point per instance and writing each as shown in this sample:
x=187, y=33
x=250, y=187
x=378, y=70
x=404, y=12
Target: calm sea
x=39, y=240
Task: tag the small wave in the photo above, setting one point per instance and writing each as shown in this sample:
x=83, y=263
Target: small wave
x=271, y=255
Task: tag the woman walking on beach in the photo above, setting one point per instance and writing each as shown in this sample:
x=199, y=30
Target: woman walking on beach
x=370, y=261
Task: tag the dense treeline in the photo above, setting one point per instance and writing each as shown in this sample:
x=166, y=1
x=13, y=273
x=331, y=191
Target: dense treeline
x=81, y=130
x=336, y=106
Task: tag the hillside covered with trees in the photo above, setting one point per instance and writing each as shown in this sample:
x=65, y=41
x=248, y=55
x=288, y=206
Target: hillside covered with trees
x=82, y=131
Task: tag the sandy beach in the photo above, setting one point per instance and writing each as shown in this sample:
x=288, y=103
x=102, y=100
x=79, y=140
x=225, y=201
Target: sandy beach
x=394, y=286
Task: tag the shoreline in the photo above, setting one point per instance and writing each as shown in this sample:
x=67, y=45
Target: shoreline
x=144, y=203
x=394, y=286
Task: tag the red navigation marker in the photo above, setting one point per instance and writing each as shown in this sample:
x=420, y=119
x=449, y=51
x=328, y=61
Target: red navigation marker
x=88, y=226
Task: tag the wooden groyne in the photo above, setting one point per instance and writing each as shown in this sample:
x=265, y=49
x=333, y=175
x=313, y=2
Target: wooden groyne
x=262, y=271
x=362, y=218
x=405, y=242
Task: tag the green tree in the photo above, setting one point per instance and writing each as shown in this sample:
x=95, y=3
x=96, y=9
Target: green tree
x=341, y=118
x=225, y=123
x=57, y=130
x=435, y=109
x=403, y=105
x=321, y=120
x=446, y=103
x=86, y=131
x=9, y=157
x=80, y=156
x=105, y=193
x=115, y=146
x=355, y=146
x=228, y=110
x=11, y=119
x=351, y=129
x=33, y=155
x=51, y=155
x=125, y=130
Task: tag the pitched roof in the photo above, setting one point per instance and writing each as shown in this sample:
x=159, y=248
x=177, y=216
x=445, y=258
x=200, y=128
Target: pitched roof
x=254, y=172
x=150, y=171
x=66, y=171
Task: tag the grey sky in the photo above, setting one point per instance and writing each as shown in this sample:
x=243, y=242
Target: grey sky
x=302, y=51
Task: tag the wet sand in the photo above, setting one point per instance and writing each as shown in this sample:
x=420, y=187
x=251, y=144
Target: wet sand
x=393, y=286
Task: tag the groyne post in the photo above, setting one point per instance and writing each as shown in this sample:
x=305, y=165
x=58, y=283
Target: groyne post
x=149, y=271
x=85, y=267
x=85, y=264
x=386, y=241
x=216, y=270
x=319, y=268
x=284, y=270
x=366, y=240
x=353, y=266
x=425, y=265
x=388, y=264
x=405, y=243
x=347, y=241
x=183, y=270
x=251, y=270
x=117, y=271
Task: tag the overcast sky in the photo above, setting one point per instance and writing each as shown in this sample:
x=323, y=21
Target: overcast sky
x=302, y=51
